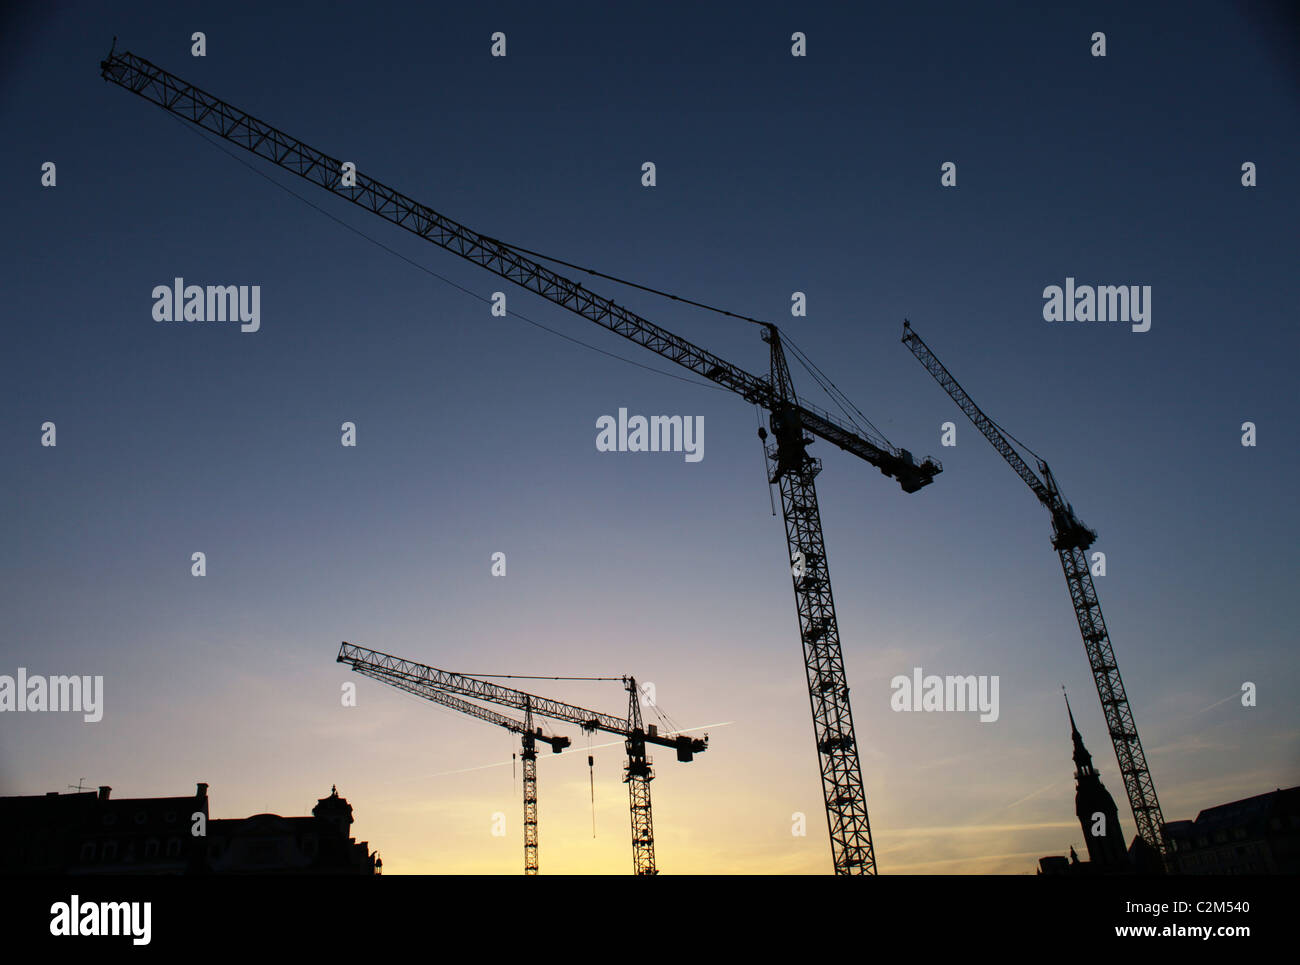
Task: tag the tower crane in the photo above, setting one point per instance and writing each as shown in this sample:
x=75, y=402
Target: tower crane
x=529, y=736
x=794, y=424
x=1071, y=539
x=425, y=681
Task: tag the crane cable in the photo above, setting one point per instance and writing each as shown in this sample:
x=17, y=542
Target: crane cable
x=664, y=718
x=430, y=271
x=833, y=390
x=829, y=387
x=516, y=676
x=559, y=261
x=1015, y=440
x=758, y=414
x=630, y=284
x=591, y=777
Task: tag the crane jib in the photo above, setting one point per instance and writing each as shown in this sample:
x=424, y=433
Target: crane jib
x=1070, y=539
x=416, y=676
x=210, y=113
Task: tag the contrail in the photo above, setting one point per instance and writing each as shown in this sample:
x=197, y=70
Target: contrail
x=1217, y=702
x=1034, y=794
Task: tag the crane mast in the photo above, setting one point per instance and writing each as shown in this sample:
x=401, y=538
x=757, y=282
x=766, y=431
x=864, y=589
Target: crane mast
x=793, y=423
x=794, y=471
x=528, y=763
x=637, y=774
x=1071, y=540
x=529, y=736
x=427, y=681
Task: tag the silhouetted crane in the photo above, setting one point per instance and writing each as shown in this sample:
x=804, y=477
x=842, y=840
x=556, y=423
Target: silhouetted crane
x=529, y=736
x=794, y=424
x=1071, y=539
x=425, y=681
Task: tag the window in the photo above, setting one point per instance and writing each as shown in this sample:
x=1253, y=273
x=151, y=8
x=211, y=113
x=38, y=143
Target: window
x=110, y=851
x=140, y=817
x=151, y=848
x=109, y=819
x=88, y=852
x=173, y=847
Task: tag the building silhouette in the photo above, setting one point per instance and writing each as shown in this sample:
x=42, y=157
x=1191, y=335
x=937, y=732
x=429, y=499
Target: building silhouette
x=1256, y=835
x=1099, y=819
x=92, y=833
x=1095, y=808
x=270, y=844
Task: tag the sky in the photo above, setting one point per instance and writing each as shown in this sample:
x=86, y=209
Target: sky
x=476, y=434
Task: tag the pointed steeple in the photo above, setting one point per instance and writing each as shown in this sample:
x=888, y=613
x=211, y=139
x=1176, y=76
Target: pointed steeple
x=1094, y=807
x=1082, y=759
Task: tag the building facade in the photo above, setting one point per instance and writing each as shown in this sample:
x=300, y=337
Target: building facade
x=1256, y=835
x=92, y=833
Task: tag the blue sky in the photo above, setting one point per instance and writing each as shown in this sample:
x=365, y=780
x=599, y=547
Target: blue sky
x=477, y=434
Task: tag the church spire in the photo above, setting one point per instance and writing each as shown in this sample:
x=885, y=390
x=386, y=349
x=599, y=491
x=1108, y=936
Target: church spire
x=1095, y=808
x=1082, y=759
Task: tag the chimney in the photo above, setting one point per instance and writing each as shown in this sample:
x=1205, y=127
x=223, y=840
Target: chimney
x=201, y=790
x=104, y=792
